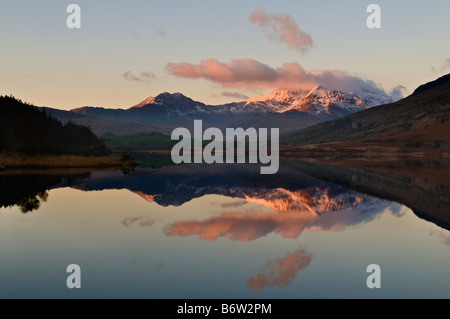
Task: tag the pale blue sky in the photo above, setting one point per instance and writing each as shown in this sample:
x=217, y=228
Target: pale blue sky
x=44, y=62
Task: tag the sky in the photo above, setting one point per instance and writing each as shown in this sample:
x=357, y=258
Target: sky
x=215, y=51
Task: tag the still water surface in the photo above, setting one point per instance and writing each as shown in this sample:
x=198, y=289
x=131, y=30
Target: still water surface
x=214, y=232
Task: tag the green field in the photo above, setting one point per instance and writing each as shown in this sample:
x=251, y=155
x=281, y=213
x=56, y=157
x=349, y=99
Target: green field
x=139, y=142
x=146, y=142
x=152, y=160
x=138, y=145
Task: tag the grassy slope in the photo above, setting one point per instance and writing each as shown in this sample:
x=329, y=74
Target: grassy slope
x=137, y=142
x=417, y=119
x=417, y=126
x=142, y=142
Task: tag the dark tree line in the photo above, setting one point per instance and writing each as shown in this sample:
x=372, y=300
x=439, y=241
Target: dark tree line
x=25, y=128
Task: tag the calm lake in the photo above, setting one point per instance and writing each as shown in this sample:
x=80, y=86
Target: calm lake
x=222, y=231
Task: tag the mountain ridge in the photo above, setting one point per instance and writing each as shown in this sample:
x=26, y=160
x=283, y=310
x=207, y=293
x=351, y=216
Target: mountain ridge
x=289, y=110
x=277, y=101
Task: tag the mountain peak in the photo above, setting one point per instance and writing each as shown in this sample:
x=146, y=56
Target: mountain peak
x=167, y=95
x=280, y=95
x=320, y=88
x=149, y=100
x=317, y=100
x=167, y=99
x=321, y=91
x=321, y=100
x=176, y=100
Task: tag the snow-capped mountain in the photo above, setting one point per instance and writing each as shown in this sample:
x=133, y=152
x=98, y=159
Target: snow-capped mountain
x=149, y=100
x=277, y=101
x=175, y=101
x=373, y=98
x=317, y=101
x=288, y=110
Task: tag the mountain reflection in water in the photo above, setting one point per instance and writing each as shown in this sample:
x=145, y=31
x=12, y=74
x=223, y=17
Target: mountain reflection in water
x=269, y=219
x=293, y=192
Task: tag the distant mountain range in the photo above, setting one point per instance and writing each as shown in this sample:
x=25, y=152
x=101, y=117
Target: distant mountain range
x=287, y=109
x=304, y=117
x=316, y=101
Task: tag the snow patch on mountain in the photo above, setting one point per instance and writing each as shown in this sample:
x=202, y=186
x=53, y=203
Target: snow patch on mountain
x=317, y=101
x=373, y=98
x=175, y=101
x=149, y=100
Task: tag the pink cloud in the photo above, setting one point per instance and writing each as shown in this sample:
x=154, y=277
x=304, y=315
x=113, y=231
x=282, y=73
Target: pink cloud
x=143, y=221
x=280, y=272
x=444, y=236
x=282, y=28
x=236, y=73
x=292, y=213
x=249, y=226
x=248, y=73
x=242, y=227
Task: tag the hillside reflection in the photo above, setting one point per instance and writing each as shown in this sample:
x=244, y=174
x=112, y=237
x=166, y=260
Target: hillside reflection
x=283, y=224
x=301, y=200
x=29, y=191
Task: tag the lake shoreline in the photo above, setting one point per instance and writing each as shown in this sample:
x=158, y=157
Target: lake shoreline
x=339, y=153
x=364, y=153
x=15, y=160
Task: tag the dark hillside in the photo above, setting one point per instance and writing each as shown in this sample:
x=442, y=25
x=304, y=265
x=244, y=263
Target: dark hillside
x=24, y=128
